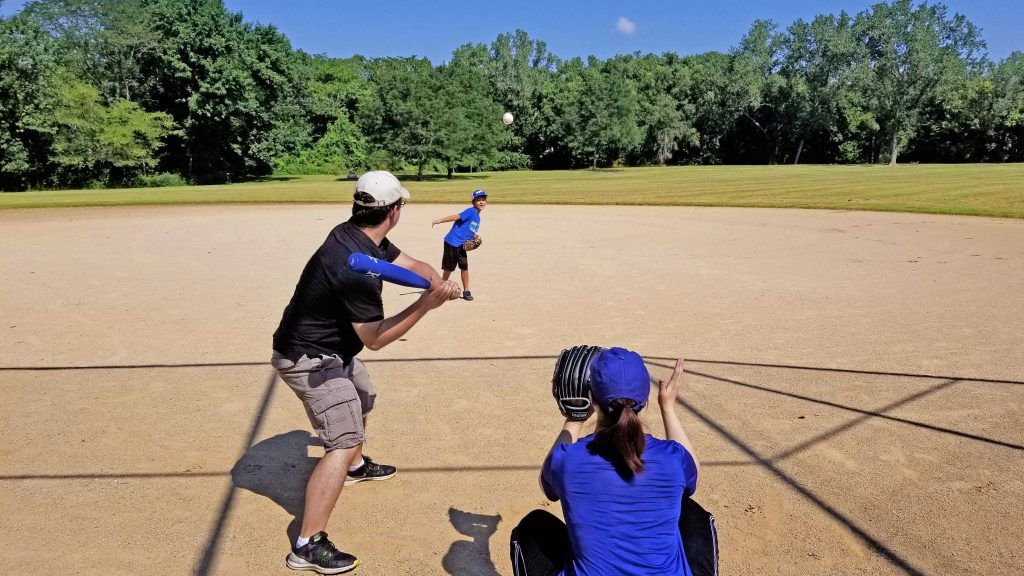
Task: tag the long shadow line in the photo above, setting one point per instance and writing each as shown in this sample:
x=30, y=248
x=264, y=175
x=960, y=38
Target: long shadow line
x=127, y=366
x=524, y=357
x=401, y=469
x=847, y=371
x=860, y=420
x=171, y=475
x=861, y=411
x=213, y=540
x=112, y=476
x=875, y=543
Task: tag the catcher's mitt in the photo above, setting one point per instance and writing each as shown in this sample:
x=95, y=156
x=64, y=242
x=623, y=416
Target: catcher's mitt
x=472, y=244
x=570, y=384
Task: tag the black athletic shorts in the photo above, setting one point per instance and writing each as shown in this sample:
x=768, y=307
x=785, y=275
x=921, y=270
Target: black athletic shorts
x=454, y=255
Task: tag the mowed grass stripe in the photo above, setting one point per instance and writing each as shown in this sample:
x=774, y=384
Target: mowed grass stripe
x=973, y=189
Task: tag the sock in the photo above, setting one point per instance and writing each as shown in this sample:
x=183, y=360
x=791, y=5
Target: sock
x=300, y=542
x=357, y=466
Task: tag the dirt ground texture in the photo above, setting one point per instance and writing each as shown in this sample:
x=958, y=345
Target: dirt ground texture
x=855, y=386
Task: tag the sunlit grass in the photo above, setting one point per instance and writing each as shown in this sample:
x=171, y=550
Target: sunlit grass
x=975, y=189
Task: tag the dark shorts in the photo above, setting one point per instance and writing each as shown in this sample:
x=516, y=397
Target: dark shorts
x=337, y=396
x=540, y=544
x=454, y=255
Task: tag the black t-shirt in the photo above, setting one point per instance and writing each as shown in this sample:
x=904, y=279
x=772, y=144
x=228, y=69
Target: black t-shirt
x=330, y=297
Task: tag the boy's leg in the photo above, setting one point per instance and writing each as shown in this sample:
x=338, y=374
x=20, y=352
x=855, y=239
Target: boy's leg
x=449, y=259
x=539, y=545
x=463, y=262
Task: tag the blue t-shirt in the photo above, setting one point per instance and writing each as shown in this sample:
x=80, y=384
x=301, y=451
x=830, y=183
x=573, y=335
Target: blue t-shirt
x=467, y=226
x=618, y=526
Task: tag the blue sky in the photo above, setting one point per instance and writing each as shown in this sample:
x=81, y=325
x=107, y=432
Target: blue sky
x=602, y=28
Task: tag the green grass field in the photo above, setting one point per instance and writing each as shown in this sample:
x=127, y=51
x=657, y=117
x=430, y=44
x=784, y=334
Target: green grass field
x=972, y=189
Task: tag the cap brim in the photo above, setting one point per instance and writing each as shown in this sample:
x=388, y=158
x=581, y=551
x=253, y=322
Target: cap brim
x=405, y=193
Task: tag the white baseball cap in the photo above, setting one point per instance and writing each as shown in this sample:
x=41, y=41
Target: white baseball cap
x=383, y=186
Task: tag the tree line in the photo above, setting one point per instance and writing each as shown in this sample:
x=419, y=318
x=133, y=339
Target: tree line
x=153, y=92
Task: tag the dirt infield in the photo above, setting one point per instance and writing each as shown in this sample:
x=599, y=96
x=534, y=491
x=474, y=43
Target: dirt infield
x=856, y=386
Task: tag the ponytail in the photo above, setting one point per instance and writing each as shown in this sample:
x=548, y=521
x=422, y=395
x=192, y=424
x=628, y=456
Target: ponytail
x=622, y=440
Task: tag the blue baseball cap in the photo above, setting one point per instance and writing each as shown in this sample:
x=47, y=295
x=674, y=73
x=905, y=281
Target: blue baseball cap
x=619, y=373
x=478, y=193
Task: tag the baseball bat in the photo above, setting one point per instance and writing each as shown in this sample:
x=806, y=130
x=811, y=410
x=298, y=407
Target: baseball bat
x=363, y=264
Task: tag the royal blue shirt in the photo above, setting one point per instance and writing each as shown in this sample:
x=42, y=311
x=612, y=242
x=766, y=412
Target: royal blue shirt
x=622, y=526
x=467, y=226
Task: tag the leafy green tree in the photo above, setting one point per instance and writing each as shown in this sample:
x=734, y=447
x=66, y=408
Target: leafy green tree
x=1008, y=109
x=277, y=85
x=977, y=120
x=664, y=120
x=109, y=145
x=859, y=129
x=73, y=26
x=909, y=52
x=521, y=72
x=28, y=81
x=80, y=118
x=606, y=114
x=232, y=87
x=816, y=67
x=556, y=116
x=105, y=42
x=403, y=115
x=470, y=130
x=128, y=41
x=337, y=88
x=755, y=85
x=710, y=93
x=341, y=149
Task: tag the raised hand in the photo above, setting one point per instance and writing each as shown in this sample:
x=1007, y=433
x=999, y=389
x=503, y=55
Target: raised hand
x=668, y=391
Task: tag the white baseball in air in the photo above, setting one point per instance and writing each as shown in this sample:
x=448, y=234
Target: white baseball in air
x=507, y=118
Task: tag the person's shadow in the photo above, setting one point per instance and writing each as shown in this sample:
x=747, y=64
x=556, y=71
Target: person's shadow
x=471, y=557
x=278, y=468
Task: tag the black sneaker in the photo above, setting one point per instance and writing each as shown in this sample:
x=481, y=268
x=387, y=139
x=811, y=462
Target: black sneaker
x=370, y=470
x=466, y=295
x=320, y=556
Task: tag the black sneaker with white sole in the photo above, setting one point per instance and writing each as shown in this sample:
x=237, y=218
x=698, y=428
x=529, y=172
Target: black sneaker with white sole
x=370, y=470
x=320, y=556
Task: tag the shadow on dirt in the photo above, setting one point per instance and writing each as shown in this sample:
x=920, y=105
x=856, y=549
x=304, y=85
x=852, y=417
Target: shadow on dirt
x=278, y=468
x=471, y=557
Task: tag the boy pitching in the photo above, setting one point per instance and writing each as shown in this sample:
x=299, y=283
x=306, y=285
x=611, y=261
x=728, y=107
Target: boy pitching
x=466, y=227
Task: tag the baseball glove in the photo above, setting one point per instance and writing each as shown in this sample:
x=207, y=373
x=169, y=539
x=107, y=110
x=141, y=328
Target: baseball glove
x=570, y=384
x=472, y=244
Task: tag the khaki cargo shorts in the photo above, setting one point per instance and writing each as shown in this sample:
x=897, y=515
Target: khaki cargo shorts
x=336, y=396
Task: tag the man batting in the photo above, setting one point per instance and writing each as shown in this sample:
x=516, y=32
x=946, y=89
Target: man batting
x=332, y=315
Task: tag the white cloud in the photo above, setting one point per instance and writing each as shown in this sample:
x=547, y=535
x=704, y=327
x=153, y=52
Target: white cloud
x=625, y=26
